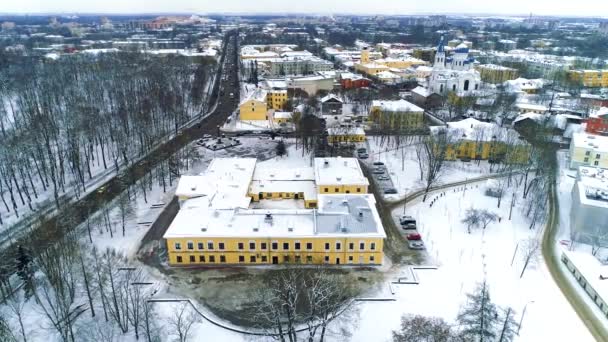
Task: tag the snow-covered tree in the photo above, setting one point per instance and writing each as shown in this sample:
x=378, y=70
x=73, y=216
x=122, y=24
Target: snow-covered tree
x=416, y=328
x=509, y=325
x=471, y=219
x=479, y=316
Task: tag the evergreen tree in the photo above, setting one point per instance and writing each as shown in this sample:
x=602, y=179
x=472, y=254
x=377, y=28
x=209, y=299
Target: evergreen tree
x=25, y=270
x=6, y=335
x=479, y=315
x=281, y=149
x=509, y=326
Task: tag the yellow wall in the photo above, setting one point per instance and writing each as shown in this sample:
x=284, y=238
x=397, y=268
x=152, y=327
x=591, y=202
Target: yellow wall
x=518, y=154
x=364, y=56
x=491, y=75
x=276, y=100
x=317, y=253
x=402, y=120
x=370, y=70
x=253, y=110
x=589, y=157
x=401, y=64
x=590, y=78
x=345, y=138
x=342, y=189
x=308, y=203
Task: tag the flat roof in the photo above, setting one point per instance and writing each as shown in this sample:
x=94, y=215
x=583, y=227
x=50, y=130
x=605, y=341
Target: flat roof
x=596, y=143
x=593, y=186
x=338, y=171
x=342, y=215
x=591, y=269
x=396, y=106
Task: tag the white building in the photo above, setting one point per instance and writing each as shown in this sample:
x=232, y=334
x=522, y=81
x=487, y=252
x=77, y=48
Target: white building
x=454, y=73
x=589, y=210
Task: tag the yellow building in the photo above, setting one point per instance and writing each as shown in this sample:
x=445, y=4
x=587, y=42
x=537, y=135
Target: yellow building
x=365, y=56
x=254, y=107
x=588, y=150
x=492, y=73
x=232, y=214
x=398, y=114
x=371, y=68
x=590, y=78
x=345, y=135
x=401, y=63
x=276, y=99
x=471, y=139
x=282, y=117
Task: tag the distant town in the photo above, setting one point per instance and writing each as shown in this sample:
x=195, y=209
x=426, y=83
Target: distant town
x=303, y=177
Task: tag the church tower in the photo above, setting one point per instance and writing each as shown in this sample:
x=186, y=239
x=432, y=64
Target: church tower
x=440, y=55
x=365, y=56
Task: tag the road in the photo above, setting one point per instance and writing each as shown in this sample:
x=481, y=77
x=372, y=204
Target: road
x=51, y=228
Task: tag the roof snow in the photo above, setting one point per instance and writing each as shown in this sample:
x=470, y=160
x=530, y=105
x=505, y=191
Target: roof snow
x=338, y=171
x=396, y=106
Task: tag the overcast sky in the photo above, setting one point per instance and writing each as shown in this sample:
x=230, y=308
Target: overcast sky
x=397, y=7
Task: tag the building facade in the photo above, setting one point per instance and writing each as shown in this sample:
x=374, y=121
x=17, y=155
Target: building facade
x=276, y=99
x=589, y=210
x=398, y=114
x=597, y=123
x=228, y=216
x=254, y=107
x=588, y=150
x=454, y=73
x=496, y=74
x=590, y=78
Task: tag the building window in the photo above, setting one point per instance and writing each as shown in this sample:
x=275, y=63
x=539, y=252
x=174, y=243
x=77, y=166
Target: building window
x=252, y=259
x=201, y=258
x=222, y=258
x=596, y=163
x=326, y=259
x=350, y=258
x=361, y=246
x=285, y=258
x=297, y=246
x=263, y=245
x=327, y=246
x=371, y=258
x=597, y=156
x=275, y=246
x=209, y=245
x=190, y=245
x=221, y=245
x=309, y=259
x=192, y=258
x=200, y=245
x=338, y=246
x=179, y=258
x=586, y=160
x=240, y=245
x=252, y=245
x=373, y=246
x=264, y=258
x=336, y=190
x=241, y=258
x=285, y=246
x=212, y=258
x=466, y=85
x=178, y=246
x=298, y=259
x=326, y=190
x=351, y=246
x=358, y=189
x=309, y=246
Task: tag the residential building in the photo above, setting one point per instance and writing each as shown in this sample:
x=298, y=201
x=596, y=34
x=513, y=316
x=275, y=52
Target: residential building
x=507, y=45
x=346, y=134
x=496, y=74
x=311, y=84
x=331, y=104
x=254, y=107
x=282, y=117
x=229, y=215
x=399, y=114
x=471, y=139
x=276, y=99
x=353, y=81
x=597, y=123
x=590, y=78
x=455, y=73
x=588, y=150
x=589, y=209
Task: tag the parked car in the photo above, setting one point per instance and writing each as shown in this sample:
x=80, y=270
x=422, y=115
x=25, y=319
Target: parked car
x=362, y=155
x=413, y=237
x=390, y=191
x=418, y=245
x=407, y=222
x=384, y=178
x=362, y=150
x=378, y=171
x=378, y=164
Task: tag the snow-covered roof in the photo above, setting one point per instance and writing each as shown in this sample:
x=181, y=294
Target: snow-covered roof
x=329, y=97
x=257, y=95
x=473, y=129
x=592, y=270
x=532, y=116
x=531, y=107
x=396, y=106
x=587, y=141
x=599, y=113
x=283, y=115
x=421, y=91
x=333, y=131
x=387, y=75
x=338, y=171
x=338, y=215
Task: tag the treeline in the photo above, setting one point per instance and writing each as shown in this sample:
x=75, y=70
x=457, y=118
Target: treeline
x=60, y=121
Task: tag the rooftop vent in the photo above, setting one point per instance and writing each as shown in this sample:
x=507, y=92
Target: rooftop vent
x=326, y=163
x=268, y=217
x=193, y=188
x=344, y=230
x=290, y=229
x=339, y=179
x=344, y=202
x=204, y=229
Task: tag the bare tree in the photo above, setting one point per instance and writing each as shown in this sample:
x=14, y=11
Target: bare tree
x=182, y=320
x=486, y=217
x=472, y=219
x=433, y=153
x=416, y=328
x=530, y=249
x=16, y=304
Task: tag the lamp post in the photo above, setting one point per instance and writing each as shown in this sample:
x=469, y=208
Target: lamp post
x=522, y=316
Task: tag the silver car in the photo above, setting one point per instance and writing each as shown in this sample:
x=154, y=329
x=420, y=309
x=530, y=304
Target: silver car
x=416, y=244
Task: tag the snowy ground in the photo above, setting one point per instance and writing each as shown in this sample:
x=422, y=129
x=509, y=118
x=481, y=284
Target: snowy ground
x=404, y=168
x=465, y=259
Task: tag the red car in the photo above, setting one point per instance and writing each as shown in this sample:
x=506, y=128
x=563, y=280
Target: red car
x=414, y=236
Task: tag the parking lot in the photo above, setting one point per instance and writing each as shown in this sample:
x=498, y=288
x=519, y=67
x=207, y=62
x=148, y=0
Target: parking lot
x=379, y=172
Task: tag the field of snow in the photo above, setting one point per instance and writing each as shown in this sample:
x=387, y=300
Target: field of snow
x=465, y=259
